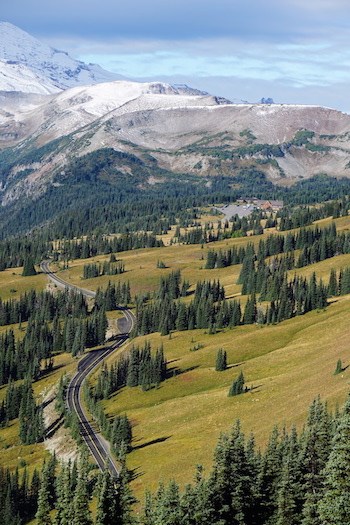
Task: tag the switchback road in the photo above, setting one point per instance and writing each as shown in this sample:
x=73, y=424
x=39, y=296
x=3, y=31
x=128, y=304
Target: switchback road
x=86, y=366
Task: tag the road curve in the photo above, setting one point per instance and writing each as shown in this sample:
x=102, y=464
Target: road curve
x=86, y=366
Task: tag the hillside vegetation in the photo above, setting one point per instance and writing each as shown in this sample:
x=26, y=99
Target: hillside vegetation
x=176, y=425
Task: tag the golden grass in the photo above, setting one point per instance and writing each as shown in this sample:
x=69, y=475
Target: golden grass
x=322, y=269
x=13, y=284
x=177, y=425
x=12, y=452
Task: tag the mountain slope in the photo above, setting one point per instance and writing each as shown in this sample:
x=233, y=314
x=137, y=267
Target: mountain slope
x=28, y=65
x=181, y=132
x=45, y=124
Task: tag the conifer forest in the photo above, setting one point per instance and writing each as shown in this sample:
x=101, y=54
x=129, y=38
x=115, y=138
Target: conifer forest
x=206, y=358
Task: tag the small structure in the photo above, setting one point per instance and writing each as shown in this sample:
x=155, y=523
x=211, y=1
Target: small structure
x=268, y=205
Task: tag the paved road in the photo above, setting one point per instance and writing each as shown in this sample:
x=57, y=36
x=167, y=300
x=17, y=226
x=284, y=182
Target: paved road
x=86, y=366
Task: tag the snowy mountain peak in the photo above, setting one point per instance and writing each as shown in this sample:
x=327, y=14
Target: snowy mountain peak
x=28, y=65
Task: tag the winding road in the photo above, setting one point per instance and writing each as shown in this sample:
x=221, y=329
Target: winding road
x=86, y=366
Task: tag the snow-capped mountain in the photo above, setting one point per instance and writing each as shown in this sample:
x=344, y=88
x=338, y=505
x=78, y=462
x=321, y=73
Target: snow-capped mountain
x=54, y=109
x=30, y=66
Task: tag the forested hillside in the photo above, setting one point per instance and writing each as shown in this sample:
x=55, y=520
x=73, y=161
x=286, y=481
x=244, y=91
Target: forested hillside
x=239, y=326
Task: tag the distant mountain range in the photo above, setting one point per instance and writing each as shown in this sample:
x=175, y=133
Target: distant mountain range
x=54, y=109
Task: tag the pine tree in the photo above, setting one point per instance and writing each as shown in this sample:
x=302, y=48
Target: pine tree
x=339, y=367
x=334, y=507
x=28, y=268
x=315, y=445
x=108, y=506
x=231, y=484
x=81, y=511
x=237, y=386
x=43, y=512
x=333, y=284
x=221, y=360
x=64, y=515
x=290, y=493
x=268, y=480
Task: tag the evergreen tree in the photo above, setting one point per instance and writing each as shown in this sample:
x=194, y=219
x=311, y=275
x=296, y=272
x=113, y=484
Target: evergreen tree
x=43, y=512
x=334, y=507
x=333, y=284
x=315, y=445
x=64, y=515
x=108, y=506
x=237, y=386
x=81, y=510
x=289, y=502
x=221, y=360
x=339, y=367
x=28, y=268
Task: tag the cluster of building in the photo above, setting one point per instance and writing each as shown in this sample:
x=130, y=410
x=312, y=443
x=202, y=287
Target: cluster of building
x=265, y=205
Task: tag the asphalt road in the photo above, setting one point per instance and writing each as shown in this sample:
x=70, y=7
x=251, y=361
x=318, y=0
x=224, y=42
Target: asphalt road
x=86, y=366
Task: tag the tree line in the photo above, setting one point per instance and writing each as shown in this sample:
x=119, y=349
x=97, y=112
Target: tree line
x=61, y=304
x=113, y=296
x=300, y=479
x=315, y=244
x=92, y=270
x=93, y=245
x=67, y=489
x=139, y=367
x=209, y=308
x=300, y=216
x=25, y=357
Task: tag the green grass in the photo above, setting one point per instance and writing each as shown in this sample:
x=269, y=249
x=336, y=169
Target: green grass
x=13, y=284
x=177, y=425
x=12, y=452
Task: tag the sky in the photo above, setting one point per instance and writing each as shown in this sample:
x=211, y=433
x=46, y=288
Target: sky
x=294, y=51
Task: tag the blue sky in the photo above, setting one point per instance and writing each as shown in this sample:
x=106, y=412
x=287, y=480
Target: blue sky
x=295, y=51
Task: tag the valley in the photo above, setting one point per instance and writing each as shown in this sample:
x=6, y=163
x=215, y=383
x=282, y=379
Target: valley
x=174, y=300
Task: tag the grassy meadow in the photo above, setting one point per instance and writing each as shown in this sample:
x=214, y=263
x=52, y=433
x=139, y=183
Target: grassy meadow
x=176, y=426
x=287, y=365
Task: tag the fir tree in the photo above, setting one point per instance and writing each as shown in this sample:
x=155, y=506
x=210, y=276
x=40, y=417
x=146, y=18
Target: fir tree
x=28, y=268
x=339, y=367
x=237, y=386
x=81, y=512
x=315, y=444
x=43, y=512
x=221, y=360
x=64, y=515
x=108, y=506
x=334, y=507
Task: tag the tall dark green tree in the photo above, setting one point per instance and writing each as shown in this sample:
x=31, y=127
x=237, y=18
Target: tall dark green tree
x=334, y=507
x=81, y=511
x=237, y=386
x=43, y=513
x=221, y=360
x=28, y=268
x=108, y=506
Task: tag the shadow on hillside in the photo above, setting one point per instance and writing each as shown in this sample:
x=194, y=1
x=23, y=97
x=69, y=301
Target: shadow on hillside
x=52, y=429
x=135, y=473
x=152, y=442
x=47, y=371
x=175, y=371
x=234, y=365
x=252, y=388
